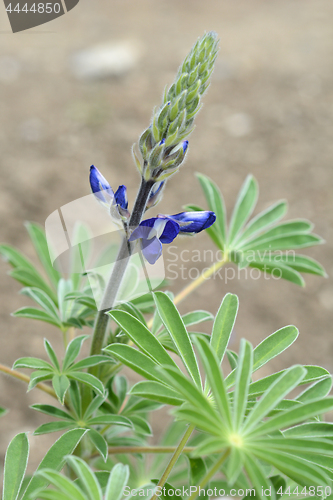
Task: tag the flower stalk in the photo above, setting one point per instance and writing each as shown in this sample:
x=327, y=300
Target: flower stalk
x=112, y=288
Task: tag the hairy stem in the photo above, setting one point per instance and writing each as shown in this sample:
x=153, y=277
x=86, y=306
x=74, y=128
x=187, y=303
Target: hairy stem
x=25, y=378
x=174, y=458
x=119, y=269
x=216, y=467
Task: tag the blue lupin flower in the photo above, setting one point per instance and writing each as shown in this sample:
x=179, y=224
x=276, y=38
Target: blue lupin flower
x=116, y=202
x=164, y=228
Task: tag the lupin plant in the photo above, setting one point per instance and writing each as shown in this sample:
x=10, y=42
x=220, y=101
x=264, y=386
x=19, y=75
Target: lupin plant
x=233, y=433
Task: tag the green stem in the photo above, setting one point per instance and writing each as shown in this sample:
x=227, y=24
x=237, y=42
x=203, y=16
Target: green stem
x=174, y=458
x=211, y=473
x=26, y=379
x=119, y=450
x=119, y=269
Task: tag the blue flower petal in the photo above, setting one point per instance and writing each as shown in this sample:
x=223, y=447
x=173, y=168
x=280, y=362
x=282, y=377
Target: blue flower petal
x=170, y=231
x=140, y=232
x=194, y=222
x=151, y=249
x=100, y=186
x=121, y=197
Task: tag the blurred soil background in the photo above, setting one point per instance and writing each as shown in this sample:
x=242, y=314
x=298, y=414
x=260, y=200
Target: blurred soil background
x=269, y=111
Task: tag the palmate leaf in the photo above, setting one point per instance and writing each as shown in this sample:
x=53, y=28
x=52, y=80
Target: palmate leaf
x=263, y=243
x=248, y=430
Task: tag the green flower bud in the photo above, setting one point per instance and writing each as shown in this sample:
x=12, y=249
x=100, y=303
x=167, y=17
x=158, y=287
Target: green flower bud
x=173, y=122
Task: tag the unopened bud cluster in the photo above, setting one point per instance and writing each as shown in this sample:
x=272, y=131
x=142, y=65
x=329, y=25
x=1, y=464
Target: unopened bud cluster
x=163, y=146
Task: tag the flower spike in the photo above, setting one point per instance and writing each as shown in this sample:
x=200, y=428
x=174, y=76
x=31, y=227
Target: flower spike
x=173, y=121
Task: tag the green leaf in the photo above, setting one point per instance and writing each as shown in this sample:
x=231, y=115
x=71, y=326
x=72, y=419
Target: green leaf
x=64, y=287
x=136, y=360
x=258, y=478
x=30, y=278
x=235, y=464
x=263, y=220
x=244, y=206
x=37, y=235
x=296, y=445
x=33, y=363
x=87, y=478
x=192, y=394
x=289, y=242
x=54, y=459
x=94, y=360
x=276, y=392
x=273, y=345
x=176, y=328
x=73, y=350
x=141, y=425
x=197, y=471
x=215, y=379
x=142, y=337
x=88, y=379
x=134, y=311
x=53, y=411
x=99, y=442
x=304, y=264
x=33, y=313
x=318, y=390
x=64, y=485
x=278, y=270
x=313, y=373
x=196, y=417
x=209, y=445
x=52, y=495
x=110, y=420
x=16, y=258
x=311, y=430
x=96, y=402
x=54, y=427
x=216, y=204
x=15, y=466
x=232, y=358
x=189, y=319
x=75, y=398
x=298, y=469
x=294, y=416
x=117, y=482
x=43, y=300
x=51, y=354
x=243, y=379
x=279, y=484
x=3, y=411
x=39, y=376
x=157, y=392
x=60, y=385
x=289, y=228
x=223, y=324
